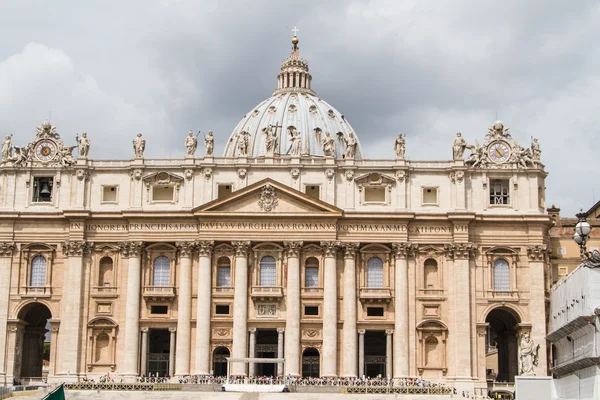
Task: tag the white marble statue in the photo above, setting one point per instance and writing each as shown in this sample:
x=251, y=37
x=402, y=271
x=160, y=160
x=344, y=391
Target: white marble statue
x=191, y=143
x=139, y=145
x=536, y=151
x=458, y=147
x=270, y=140
x=209, y=144
x=328, y=145
x=528, y=355
x=242, y=143
x=7, y=149
x=400, y=146
x=84, y=145
x=296, y=140
x=350, y=147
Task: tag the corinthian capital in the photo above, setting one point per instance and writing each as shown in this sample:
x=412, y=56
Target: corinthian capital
x=241, y=248
x=350, y=249
x=131, y=249
x=330, y=248
x=293, y=247
x=403, y=250
x=7, y=249
x=459, y=250
x=76, y=248
x=537, y=253
x=205, y=247
x=185, y=248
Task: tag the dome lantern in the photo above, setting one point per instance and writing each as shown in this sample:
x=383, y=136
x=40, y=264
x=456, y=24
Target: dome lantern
x=294, y=76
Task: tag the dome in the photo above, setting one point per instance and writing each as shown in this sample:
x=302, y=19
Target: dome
x=293, y=111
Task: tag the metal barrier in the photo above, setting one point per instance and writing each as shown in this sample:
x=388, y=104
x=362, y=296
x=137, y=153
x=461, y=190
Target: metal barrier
x=111, y=386
x=441, y=390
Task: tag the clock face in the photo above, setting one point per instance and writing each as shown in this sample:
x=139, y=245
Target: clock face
x=499, y=152
x=45, y=150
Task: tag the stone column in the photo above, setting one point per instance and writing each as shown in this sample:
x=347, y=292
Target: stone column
x=330, y=317
x=184, y=309
x=349, y=338
x=361, y=352
x=401, y=312
x=172, y=339
x=240, y=307
x=6, y=253
x=144, y=350
x=388, y=352
x=203, y=308
x=538, y=257
x=292, y=322
x=252, y=351
x=54, y=329
x=461, y=253
x=280, y=332
x=132, y=251
x=481, y=335
x=71, y=309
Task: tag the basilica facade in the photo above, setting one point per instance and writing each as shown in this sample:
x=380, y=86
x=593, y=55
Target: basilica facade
x=292, y=245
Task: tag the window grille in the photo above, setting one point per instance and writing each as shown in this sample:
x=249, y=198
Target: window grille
x=499, y=193
x=224, y=276
x=38, y=271
x=268, y=271
x=501, y=275
x=162, y=271
x=375, y=272
x=311, y=277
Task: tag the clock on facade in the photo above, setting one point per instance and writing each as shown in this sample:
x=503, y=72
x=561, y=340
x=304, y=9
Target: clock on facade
x=45, y=150
x=499, y=152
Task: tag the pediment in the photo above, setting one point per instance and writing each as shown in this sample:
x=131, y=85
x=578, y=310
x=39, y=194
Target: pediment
x=267, y=197
x=375, y=179
x=162, y=178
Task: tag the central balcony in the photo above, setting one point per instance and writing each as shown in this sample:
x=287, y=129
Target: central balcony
x=375, y=295
x=159, y=292
x=104, y=291
x=266, y=293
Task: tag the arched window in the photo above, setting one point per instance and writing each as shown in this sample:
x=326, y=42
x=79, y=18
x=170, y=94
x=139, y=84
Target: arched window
x=162, y=271
x=375, y=272
x=268, y=271
x=38, y=271
x=102, y=348
x=105, y=273
x=224, y=272
x=430, y=274
x=432, y=356
x=501, y=275
x=311, y=273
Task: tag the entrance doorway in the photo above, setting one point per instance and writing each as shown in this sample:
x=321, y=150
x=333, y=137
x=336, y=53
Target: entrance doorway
x=159, y=343
x=35, y=344
x=266, y=347
x=375, y=343
x=501, y=350
x=310, y=363
x=219, y=361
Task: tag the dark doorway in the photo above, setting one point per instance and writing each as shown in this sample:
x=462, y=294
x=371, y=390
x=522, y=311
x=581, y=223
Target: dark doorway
x=501, y=345
x=35, y=344
x=220, y=361
x=159, y=342
x=375, y=354
x=310, y=363
x=266, y=347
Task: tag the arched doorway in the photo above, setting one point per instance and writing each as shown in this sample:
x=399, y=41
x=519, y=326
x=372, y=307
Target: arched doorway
x=219, y=361
x=32, y=349
x=310, y=363
x=501, y=350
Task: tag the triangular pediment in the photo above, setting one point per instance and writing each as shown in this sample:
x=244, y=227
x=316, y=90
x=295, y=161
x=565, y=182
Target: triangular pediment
x=267, y=197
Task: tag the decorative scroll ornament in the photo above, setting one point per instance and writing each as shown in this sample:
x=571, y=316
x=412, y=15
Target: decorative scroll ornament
x=186, y=248
x=350, y=249
x=537, y=253
x=459, y=250
x=131, y=249
x=330, y=248
x=403, y=250
x=293, y=248
x=205, y=247
x=76, y=248
x=7, y=249
x=241, y=248
x=267, y=200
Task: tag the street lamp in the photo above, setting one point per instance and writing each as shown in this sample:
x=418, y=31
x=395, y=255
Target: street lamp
x=590, y=259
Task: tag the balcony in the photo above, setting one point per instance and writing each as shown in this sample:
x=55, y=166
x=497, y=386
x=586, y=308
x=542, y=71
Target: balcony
x=431, y=294
x=266, y=293
x=222, y=291
x=503, y=295
x=312, y=292
x=375, y=295
x=104, y=291
x=36, y=291
x=159, y=292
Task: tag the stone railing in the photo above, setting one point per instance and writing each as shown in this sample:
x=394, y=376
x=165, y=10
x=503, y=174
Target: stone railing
x=375, y=294
x=159, y=291
x=503, y=294
x=36, y=291
x=312, y=291
x=104, y=291
x=267, y=292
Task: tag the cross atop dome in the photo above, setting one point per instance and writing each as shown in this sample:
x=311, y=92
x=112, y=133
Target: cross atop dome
x=294, y=76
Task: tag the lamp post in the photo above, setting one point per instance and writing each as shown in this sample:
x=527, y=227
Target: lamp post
x=590, y=259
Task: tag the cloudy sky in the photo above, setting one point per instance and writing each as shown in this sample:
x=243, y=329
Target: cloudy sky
x=428, y=69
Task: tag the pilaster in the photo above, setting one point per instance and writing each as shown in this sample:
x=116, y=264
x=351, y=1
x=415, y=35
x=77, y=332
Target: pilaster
x=240, y=307
x=133, y=252
x=184, y=308
x=330, y=317
x=349, y=362
x=6, y=254
x=538, y=260
x=292, y=333
x=203, y=307
x=401, y=311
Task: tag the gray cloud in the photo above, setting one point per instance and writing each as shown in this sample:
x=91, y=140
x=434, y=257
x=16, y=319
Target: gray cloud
x=426, y=69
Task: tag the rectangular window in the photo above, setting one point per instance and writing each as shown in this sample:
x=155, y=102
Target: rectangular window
x=42, y=189
x=109, y=194
x=562, y=251
x=162, y=193
x=374, y=194
x=224, y=276
x=224, y=190
x=311, y=310
x=313, y=191
x=499, y=192
x=430, y=196
x=160, y=310
x=222, y=309
x=374, y=311
x=311, y=277
x=563, y=271
x=268, y=274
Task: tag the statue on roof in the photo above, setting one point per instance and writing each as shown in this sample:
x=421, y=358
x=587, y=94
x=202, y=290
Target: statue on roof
x=270, y=140
x=139, y=145
x=7, y=149
x=84, y=145
x=536, y=151
x=478, y=157
x=328, y=145
x=296, y=147
x=350, y=147
x=191, y=144
x=458, y=147
x=209, y=144
x=400, y=146
x=242, y=143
